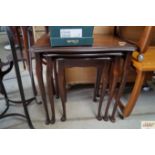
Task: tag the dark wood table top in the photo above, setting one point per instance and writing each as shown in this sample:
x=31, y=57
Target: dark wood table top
x=102, y=43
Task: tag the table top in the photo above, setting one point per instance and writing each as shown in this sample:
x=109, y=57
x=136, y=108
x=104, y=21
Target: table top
x=102, y=43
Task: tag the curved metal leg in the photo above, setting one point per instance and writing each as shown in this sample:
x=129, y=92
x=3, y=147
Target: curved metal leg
x=3, y=91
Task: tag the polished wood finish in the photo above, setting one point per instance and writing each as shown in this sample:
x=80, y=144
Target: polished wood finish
x=101, y=44
x=24, y=30
x=142, y=68
x=78, y=75
x=74, y=62
x=73, y=75
x=134, y=33
x=147, y=64
x=28, y=40
x=145, y=39
x=97, y=83
x=103, y=90
x=104, y=46
x=135, y=93
x=114, y=79
x=127, y=64
x=49, y=79
x=39, y=76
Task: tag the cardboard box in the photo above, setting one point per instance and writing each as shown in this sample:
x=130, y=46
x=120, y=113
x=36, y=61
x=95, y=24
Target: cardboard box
x=71, y=35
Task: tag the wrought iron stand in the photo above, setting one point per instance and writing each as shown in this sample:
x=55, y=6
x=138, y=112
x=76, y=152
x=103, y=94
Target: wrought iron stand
x=23, y=101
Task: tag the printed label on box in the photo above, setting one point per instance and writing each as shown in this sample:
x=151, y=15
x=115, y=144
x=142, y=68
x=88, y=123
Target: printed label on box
x=71, y=33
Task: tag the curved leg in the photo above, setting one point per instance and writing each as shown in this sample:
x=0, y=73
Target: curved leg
x=103, y=90
x=61, y=78
x=33, y=82
x=2, y=87
x=122, y=85
x=111, y=94
x=41, y=85
x=3, y=91
x=50, y=87
x=104, y=86
x=97, y=84
x=56, y=80
x=113, y=83
x=135, y=93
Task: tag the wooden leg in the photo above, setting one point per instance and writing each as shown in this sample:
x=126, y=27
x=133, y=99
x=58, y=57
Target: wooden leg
x=20, y=45
x=30, y=65
x=135, y=93
x=50, y=86
x=97, y=84
x=115, y=76
x=25, y=44
x=56, y=80
x=122, y=85
x=61, y=79
x=41, y=85
x=103, y=90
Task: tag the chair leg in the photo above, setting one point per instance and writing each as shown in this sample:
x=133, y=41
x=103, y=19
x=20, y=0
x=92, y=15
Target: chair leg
x=103, y=90
x=97, y=84
x=61, y=79
x=135, y=93
x=50, y=87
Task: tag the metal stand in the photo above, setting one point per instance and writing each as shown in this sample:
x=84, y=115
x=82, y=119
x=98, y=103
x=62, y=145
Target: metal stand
x=23, y=101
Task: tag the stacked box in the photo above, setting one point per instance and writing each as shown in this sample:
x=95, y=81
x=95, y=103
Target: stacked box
x=71, y=35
